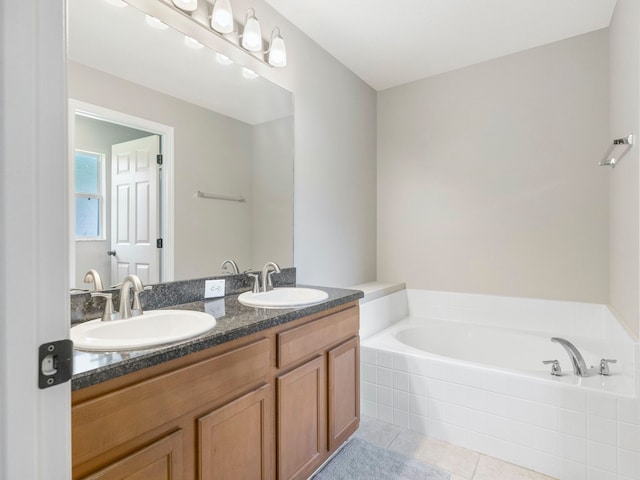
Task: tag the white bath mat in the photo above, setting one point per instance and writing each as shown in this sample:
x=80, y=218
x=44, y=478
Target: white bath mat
x=360, y=460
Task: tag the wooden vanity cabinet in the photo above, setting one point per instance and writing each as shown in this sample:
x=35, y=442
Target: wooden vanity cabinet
x=318, y=393
x=266, y=406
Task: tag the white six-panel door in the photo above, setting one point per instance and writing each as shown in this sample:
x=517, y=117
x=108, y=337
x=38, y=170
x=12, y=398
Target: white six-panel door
x=134, y=209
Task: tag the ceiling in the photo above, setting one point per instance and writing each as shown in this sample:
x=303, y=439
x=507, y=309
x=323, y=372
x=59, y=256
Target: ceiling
x=390, y=43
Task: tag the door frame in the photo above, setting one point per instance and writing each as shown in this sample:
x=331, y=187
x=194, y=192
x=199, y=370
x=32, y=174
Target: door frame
x=166, y=219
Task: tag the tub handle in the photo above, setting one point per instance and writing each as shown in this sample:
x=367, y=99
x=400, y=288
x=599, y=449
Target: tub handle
x=556, y=370
x=604, y=366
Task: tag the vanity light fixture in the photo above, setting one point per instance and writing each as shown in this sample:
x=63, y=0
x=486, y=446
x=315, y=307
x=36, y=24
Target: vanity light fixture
x=223, y=59
x=188, y=5
x=155, y=23
x=117, y=3
x=277, y=53
x=192, y=43
x=222, y=17
x=248, y=73
x=252, y=34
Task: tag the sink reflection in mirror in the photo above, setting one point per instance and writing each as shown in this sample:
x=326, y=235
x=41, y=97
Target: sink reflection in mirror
x=218, y=133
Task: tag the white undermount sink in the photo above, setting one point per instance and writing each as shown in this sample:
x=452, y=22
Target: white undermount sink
x=152, y=328
x=283, y=297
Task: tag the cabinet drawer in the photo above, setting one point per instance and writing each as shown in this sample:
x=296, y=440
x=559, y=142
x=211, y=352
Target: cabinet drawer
x=161, y=459
x=144, y=406
x=305, y=340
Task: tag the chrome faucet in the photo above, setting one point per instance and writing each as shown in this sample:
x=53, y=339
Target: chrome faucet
x=232, y=264
x=268, y=269
x=579, y=366
x=125, y=303
x=92, y=276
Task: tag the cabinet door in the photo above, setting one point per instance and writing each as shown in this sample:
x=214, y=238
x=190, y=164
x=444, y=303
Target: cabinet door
x=344, y=391
x=236, y=440
x=302, y=420
x=162, y=460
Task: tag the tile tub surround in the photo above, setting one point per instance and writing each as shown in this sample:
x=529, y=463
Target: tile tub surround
x=564, y=431
x=234, y=320
x=85, y=307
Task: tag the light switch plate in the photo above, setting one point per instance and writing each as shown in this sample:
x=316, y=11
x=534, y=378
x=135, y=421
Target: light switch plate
x=214, y=288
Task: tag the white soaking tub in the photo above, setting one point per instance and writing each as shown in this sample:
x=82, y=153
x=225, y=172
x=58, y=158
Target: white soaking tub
x=468, y=369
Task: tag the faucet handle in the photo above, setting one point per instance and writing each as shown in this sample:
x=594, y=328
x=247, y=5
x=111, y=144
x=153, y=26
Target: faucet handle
x=256, y=282
x=270, y=280
x=556, y=370
x=604, y=366
x=136, y=308
x=108, y=313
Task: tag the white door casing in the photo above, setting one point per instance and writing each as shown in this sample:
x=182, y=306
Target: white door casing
x=134, y=209
x=35, y=424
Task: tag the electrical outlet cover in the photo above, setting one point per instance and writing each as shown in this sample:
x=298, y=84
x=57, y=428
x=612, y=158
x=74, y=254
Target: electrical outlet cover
x=214, y=288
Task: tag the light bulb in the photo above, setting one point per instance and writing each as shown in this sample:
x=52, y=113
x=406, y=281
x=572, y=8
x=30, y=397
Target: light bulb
x=222, y=17
x=223, y=59
x=252, y=35
x=248, y=73
x=192, y=43
x=188, y=5
x=155, y=23
x=277, y=50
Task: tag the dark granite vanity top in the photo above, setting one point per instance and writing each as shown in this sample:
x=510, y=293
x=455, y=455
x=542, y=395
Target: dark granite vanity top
x=234, y=320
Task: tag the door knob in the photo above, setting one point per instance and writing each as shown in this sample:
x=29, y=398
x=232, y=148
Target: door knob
x=111, y=252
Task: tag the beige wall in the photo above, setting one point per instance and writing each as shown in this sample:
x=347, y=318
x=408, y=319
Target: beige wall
x=623, y=187
x=488, y=179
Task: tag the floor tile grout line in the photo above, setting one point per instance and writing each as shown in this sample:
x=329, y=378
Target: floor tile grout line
x=393, y=439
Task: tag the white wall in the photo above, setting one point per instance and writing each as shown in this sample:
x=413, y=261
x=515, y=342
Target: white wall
x=488, y=179
x=624, y=189
x=335, y=155
x=272, y=191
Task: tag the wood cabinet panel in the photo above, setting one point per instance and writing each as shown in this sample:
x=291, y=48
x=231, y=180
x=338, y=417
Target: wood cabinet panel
x=301, y=342
x=154, y=402
x=302, y=421
x=343, y=380
x=236, y=441
x=162, y=460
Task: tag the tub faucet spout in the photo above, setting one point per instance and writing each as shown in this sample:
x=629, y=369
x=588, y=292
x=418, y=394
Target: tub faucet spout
x=579, y=366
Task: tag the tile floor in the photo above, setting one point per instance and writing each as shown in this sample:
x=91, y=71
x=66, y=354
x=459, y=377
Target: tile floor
x=463, y=464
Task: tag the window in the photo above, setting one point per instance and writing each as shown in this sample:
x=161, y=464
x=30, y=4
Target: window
x=89, y=195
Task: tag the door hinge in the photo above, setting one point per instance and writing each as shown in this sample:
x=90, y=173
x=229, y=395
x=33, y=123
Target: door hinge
x=55, y=361
x=159, y=243
x=159, y=159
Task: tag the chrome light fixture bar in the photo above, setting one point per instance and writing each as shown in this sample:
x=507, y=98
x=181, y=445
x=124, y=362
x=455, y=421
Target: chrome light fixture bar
x=188, y=5
x=221, y=22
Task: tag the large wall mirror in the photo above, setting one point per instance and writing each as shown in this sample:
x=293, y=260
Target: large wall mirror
x=224, y=189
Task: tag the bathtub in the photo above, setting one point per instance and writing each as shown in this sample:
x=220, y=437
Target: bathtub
x=468, y=369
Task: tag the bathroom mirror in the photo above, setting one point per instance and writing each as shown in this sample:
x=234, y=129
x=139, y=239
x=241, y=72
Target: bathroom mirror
x=225, y=186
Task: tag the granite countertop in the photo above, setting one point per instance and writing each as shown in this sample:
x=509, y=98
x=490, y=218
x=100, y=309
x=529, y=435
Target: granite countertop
x=234, y=320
